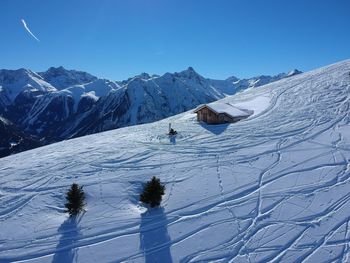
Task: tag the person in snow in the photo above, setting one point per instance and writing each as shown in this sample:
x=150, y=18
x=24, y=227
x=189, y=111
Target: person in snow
x=171, y=130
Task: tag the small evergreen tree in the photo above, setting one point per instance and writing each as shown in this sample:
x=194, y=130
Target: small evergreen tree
x=75, y=200
x=152, y=192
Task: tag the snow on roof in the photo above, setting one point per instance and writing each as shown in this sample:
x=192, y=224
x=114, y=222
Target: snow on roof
x=227, y=108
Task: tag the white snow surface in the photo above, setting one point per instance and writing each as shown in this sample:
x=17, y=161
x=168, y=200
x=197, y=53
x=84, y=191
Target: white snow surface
x=257, y=104
x=228, y=108
x=271, y=188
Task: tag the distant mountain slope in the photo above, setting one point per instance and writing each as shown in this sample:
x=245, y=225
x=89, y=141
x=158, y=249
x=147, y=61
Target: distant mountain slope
x=59, y=104
x=13, y=140
x=14, y=82
x=232, y=84
x=62, y=78
x=271, y=188
x=144, y=100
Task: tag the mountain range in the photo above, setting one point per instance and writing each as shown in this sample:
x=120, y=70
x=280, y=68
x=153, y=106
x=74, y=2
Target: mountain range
x=60, y=104
x=271, y=188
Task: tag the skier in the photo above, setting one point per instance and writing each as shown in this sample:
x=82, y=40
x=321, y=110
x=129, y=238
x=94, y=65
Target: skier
x=171, y=130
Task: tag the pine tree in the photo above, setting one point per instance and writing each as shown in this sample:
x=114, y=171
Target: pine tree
x=75, y=200
x=152, y=192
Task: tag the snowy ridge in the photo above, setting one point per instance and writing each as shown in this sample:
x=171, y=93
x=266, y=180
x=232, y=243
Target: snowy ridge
x=271, y=188
x=62, y=78
x=16, y=81
x=143, y=100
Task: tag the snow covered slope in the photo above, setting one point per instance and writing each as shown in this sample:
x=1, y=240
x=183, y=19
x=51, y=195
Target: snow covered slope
x=271, y=188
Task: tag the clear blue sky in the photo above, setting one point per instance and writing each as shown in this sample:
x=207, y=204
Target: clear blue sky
x=117, y=39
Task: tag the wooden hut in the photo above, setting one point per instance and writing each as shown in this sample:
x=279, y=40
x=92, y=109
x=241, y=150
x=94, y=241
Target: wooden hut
x=218, y=113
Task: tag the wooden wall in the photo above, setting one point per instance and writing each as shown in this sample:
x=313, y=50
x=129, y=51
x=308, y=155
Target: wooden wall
x=210, y=117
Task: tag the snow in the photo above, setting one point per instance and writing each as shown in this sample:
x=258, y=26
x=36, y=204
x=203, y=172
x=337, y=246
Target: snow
x=271, y=188
x=220, y=107
x=67, y=103
x=76, y=92
x=91, y=94
x=95, y=89
x=101, y=87
x=2, y=119
x=16, y=81
x=62, y=78
x=257, y=104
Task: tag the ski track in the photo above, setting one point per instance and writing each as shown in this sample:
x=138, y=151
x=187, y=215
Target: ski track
x=272, y=188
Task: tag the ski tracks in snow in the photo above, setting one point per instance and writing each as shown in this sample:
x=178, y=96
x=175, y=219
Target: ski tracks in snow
x=268, y=189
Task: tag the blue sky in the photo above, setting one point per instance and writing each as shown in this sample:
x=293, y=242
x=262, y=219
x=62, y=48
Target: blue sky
x=117, y=39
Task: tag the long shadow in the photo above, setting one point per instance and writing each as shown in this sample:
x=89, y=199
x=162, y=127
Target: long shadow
x=154, y=238
x=65, y=251
x=215, y=129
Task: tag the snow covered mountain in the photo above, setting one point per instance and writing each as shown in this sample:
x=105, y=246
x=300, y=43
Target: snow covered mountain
x=14, y=82
x=62, y=78
x=38, y=107
x=271, y=188
x=143, y=100
x=233, y=84
x=59, y=104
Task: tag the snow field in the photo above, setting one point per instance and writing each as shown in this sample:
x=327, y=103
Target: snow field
x=271, y=188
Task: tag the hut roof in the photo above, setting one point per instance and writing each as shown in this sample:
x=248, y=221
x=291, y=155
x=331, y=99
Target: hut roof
x=226, y=108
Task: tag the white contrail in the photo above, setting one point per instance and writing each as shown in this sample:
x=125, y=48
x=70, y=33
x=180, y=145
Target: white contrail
x=28, y=30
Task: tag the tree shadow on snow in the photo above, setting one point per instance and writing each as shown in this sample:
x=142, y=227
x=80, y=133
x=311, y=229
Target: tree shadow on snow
x=154, y=238
x=215, y=129
x=65, y=251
